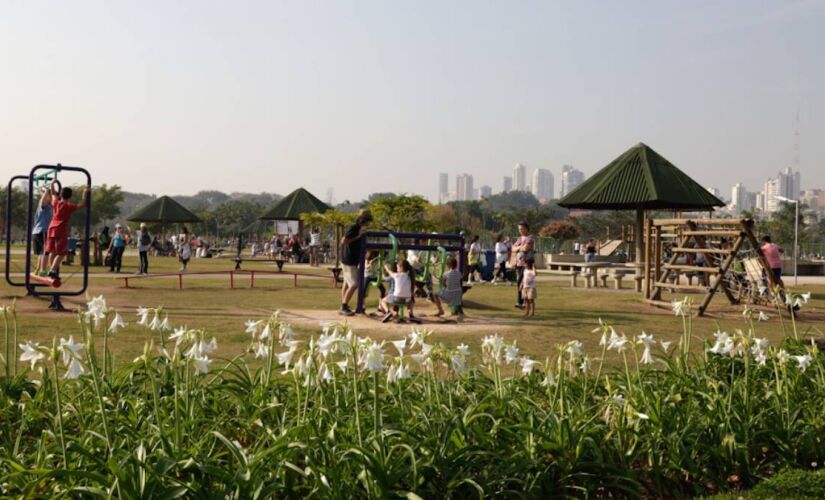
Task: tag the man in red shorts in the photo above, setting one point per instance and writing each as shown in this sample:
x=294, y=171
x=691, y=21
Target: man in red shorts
x=57, y=237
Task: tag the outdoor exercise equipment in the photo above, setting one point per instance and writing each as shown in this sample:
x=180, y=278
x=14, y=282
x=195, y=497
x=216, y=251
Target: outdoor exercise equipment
x=722, y=254
x=39, y=286
x=395, y=241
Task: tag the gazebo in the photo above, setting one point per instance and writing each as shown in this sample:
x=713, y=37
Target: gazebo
x=293, y=205
x=641, y=180
x=163, y=210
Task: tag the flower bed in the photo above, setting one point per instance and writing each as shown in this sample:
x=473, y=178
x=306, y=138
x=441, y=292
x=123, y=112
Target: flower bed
x=338, y=415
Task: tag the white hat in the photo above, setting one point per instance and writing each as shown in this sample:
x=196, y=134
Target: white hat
x=118, y=225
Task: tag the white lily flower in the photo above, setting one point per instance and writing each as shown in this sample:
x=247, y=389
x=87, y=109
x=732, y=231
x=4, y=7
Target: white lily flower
x=74, y=370
x=617, y=342
x=511, y=354
x=96, y=308
x=251, y=326
x=261, y=350
x=645, y=339
x=69, y=349
x=584, y=366
x=156, y=322
x=782, y=356
x=574, y=349
x=760, y=357
x=143, y=315
x=266, y=332
x=325, y=374
x=642, y=416
x=201, y=364
x=665, y=345
x=527, y=365
x=723, y=345
x=164, y=325
x=680, y=307
x=179, y=335
x=646, y=358
x=803, y=362
x=399, y=346
x=373, y=359
x=116, y=324
x=286, y=334
x=463, y=350
x=343, y=365
x=762, y=316
x=31, y=353
x=760, y=343
x=285, y=358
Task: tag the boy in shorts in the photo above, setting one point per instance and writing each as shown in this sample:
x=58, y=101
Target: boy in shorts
x=57, y=237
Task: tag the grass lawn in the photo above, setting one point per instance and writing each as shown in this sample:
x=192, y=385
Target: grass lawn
x=206, y=302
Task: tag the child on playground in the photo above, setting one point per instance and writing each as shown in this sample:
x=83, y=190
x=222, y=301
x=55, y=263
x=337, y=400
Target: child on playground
x=42, y=220
x=450, y=292
x=401, y=292
x=371, y=275
x=57, y=237
x=528, y=288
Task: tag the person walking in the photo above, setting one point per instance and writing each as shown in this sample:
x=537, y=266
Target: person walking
x=354, y=238
x=502, y=251
x=590, y=251
x=117, y=246
x=473, y=259
x=524, y=248
x=314, y=246
x=184, y=249
x=144, y=240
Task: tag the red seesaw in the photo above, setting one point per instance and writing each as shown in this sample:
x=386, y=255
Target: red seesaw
x=45, y=280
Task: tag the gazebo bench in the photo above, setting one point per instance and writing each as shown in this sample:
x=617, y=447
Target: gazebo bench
x=573, y=273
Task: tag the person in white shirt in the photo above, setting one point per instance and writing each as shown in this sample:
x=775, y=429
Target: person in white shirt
x=502, y=254
x=314, y=246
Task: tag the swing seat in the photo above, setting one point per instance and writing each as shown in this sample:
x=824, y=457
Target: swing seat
x=45, y=280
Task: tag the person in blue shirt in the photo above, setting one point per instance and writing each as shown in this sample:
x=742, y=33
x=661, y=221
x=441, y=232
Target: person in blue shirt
x=117, y=247
x=42, y=219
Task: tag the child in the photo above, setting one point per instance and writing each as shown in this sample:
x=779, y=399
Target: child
x=371, y=276
x=185, y=249
x=42, y=220
x=451, y=290
x=57, y=238
x=401, y=289
x=528, y=288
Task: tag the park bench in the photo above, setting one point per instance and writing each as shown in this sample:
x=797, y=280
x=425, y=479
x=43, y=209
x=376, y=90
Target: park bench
x=573, y=273
x=616, y=275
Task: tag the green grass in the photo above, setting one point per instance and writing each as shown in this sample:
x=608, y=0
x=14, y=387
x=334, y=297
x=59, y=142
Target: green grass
x=563, y=313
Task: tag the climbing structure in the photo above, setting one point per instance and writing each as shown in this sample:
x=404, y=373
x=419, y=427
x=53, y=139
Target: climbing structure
x=718, y=254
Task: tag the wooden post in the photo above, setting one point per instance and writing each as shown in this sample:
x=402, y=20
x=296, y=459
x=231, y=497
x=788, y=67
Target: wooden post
x=657, y=254
x=648, y=256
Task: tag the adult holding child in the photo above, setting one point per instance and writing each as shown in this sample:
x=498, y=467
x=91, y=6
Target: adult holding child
x=524, y=250
x=351, y=245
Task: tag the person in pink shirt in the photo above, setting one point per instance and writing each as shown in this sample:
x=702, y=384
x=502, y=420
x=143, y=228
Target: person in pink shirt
x=773, y=254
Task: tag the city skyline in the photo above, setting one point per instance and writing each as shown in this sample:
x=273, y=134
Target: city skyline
x=371, y=96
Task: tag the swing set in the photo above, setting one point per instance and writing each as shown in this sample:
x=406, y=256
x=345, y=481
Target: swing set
x=386, y=241
x=35, y=285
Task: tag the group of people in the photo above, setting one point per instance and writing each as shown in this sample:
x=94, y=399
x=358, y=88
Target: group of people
x=50, y=229
x=114, y=244
x=406, y=270
x=292, y=247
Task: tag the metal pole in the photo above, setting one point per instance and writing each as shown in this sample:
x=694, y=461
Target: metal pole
x=796, y=247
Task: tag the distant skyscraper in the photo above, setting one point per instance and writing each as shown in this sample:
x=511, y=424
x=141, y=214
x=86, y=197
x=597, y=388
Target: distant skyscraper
x=485, y=191
x=508, y=184
x=464, y=187
x=520, y=177
x=741, y=199
x=786, y=184
x=542, y=185
x=443, y=188
x=714, y=191
x=570, y=178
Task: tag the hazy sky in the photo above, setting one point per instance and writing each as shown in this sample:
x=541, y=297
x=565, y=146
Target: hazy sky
x=174, y=97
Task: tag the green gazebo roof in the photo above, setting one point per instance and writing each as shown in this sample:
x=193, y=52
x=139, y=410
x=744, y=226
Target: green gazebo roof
x=163, y=210
x=293, y=205
x=640, y=179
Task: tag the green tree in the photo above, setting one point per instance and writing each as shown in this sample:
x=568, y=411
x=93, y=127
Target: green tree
x=106, y=202
x=19, y=209
x=781, y=225
x=401, y=212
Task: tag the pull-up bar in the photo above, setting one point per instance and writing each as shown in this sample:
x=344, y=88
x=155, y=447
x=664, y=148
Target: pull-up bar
x=441, y=243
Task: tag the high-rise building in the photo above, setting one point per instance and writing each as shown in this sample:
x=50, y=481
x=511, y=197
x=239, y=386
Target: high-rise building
x=507, y=186
x=520, y=177
x=570, y=178
x=786, y=184
x=542, y=185
x=464, y=187
x=759, y=202
x=714, y=191
x=443, y=188
x=741, y=199
x=485, y=191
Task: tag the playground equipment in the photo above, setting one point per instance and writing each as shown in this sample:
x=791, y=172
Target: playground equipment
x=39, y=286
x=393, y=242
x=721, y=254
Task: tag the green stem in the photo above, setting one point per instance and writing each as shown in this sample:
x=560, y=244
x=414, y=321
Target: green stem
x=59, y=408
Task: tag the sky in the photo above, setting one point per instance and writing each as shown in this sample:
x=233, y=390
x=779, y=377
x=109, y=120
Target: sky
x=372, y=96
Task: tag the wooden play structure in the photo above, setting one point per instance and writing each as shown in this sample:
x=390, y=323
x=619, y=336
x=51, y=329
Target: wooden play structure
x=718, y=254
